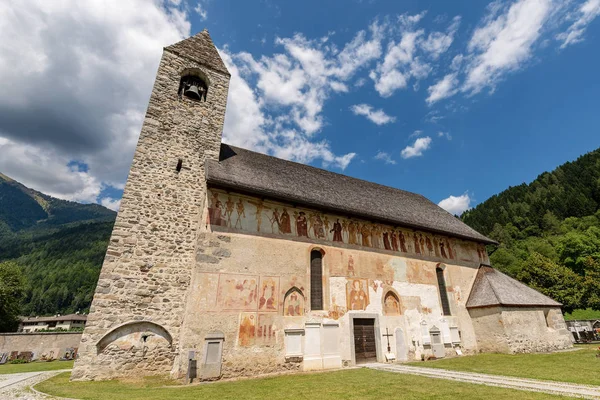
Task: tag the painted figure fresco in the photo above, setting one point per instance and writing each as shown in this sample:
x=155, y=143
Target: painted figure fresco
x=215, y=211
x=365, y=233
x=351, y=271
x=391, y=304
x=336, y=312
x=285, y=225
x=302, y=224
x=237, y=292
x=269, y=287
x=265, y=330
x=241, y=213
x=247, y=332
x=357, y=297
x=293, y=304
x=317, y=226
x=337, y=231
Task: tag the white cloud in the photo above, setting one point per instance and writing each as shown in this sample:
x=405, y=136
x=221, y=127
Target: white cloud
x=447, y=135
x=378, y=117
x=417, y=149
x=456, y=205
x=201, y=10
x=385, y=157
x=438, y=43
x=111, y=203
x=52, y=109
x=415, y=134
x=585, y=14
x=504, y=42
x=444, y=88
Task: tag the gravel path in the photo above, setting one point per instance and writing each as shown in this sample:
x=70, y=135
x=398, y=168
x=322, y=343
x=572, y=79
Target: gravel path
x=534, y=385
x=17, y=386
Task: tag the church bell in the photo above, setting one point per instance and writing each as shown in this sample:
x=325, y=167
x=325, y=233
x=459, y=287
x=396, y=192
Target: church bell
x=193, y=93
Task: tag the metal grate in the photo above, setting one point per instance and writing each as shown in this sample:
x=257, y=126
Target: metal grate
x=443, y=293
x=316, y=280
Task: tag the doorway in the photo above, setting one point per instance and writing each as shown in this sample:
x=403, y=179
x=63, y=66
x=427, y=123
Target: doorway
x=365, y=347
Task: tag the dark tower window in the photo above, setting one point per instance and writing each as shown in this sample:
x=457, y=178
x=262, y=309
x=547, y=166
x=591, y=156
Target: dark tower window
x=316, y=280
x=443, y=293
x=192, y=87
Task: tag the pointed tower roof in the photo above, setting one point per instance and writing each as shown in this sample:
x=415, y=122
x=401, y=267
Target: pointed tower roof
x=201, y=49
x=493, y=288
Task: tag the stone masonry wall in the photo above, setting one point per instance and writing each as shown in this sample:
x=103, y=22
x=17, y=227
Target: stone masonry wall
x=40, y=343
x=147, y=269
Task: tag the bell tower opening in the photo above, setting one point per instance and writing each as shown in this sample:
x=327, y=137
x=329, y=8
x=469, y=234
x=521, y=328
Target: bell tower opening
x=193, y=86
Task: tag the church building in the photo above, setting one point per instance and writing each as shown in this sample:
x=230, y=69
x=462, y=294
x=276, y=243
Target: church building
x=224, y=262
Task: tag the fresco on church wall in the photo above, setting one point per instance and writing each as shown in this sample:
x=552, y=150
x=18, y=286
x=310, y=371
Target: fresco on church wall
x=266, y=329
x=391, y=304
x=247, y=331
x=357, y=294
x=269, y=289
x=238, y=292
x=249, y=214
x=293, y=305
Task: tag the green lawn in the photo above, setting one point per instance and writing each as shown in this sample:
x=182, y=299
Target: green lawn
x=357, y=384
x=35, y=367
x=580, y=366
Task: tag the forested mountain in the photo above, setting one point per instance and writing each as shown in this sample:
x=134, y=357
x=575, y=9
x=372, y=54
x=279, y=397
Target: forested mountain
x=549, y=232
x=59, y=246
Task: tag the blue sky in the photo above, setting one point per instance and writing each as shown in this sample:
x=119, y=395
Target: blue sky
x=440, y=98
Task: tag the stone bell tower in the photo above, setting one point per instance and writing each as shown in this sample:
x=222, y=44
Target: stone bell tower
x=134, y=323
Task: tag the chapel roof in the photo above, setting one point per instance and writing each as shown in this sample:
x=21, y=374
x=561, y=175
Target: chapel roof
x=493, y=288
x=201, y=48
x=260, y=174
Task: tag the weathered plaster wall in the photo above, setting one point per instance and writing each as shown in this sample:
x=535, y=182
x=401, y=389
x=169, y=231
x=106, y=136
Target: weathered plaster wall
x=40, y=343
x=489, y=330
x=520, y=329
x=230, y=266
x=529, y=330
x=147, y=268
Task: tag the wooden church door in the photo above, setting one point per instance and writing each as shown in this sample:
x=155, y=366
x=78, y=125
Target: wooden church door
x=365, y=349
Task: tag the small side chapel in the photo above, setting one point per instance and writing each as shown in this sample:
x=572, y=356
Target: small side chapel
x=224, y=262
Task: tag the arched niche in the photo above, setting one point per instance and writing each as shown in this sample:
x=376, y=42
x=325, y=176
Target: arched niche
x=293, y=303
x=144, y=335
x=391, y=303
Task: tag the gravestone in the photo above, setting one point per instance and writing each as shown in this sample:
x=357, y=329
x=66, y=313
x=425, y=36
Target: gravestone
x=213, y=354
x=437, y=344
x=401, y=348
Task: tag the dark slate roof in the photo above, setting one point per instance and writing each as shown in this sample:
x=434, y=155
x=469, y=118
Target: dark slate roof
x=493, y=288
x=201, y=48
x=248, y=171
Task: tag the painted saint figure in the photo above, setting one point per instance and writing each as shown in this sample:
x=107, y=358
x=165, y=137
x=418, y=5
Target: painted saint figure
x=386, y=240
x=285, y=225
x=317, y=225
x=337, y=231
x=302, y=224
x=352, y=231
x=229, y=205
x=402, y=242
x=417, y=245
x=391, y=306
x=365, y=233
x=358, y=297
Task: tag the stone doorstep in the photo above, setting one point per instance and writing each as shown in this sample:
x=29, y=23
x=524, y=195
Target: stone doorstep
x=550, y=387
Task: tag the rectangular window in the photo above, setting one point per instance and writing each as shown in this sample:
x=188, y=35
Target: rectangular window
x=316, y=280
x=443, y=293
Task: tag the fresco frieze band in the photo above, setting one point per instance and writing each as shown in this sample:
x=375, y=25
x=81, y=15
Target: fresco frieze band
x=242, y=213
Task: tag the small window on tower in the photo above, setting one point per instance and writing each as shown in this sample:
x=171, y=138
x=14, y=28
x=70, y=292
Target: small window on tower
x=193, y=87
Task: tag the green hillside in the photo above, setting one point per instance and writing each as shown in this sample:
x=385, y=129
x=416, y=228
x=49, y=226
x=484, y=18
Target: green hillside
x=549, y=232
x=59, y=246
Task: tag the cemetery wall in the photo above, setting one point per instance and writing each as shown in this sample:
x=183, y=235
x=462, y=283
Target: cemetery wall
x=52, y=344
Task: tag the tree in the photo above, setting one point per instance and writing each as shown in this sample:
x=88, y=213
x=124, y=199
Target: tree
x=12, y=287
x=554, y=280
